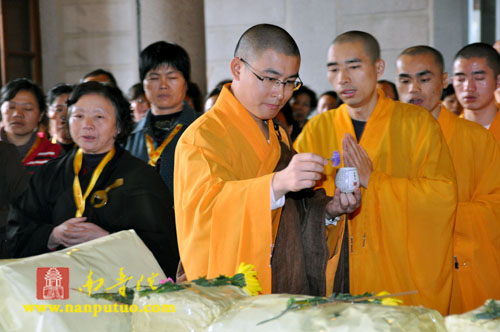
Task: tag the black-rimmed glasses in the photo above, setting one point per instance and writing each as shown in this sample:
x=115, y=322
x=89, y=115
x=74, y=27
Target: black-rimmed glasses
x=270, y=82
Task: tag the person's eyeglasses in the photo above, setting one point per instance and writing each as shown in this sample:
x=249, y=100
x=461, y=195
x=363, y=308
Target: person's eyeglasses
x=270, y=82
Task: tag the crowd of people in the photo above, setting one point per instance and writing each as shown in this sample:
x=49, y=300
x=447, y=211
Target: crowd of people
x=249, y=178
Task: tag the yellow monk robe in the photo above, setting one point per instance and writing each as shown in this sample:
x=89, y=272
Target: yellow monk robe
x=476, y=157
x=222, y=200
x=401, y=237
x=495, y=127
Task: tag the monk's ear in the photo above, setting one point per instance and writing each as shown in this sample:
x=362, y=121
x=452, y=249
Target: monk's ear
x=380, y=66
x=236, y=65
x=498, y=81
x=445, y=80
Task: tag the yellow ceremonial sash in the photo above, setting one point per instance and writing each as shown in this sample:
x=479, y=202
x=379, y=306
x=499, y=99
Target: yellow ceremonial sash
x=103, y=194
x=77, y=189
x=154, y=154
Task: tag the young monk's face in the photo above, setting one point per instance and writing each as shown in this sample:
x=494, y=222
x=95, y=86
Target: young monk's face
x=352, y=73
x=420, y=80
x=474, y=83
x=256, y=85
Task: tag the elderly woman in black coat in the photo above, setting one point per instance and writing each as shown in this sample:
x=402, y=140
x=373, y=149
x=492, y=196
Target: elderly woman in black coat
x=96, y=189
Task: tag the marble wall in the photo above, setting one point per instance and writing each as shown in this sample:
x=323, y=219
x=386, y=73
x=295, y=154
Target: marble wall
x=397, y=24
x=180, y=22
x=79, y=36
x=82, y=35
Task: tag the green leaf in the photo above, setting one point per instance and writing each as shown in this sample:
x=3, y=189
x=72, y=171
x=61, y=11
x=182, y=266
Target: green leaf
x=293, y=304
x=492, y=311
x=116, y=297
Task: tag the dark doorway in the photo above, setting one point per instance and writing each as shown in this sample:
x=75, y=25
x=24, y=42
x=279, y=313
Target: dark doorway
x=20, y=40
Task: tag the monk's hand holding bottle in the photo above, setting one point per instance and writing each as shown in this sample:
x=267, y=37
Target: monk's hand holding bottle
x=356, y=156
x=342, y=203
x=302, y=172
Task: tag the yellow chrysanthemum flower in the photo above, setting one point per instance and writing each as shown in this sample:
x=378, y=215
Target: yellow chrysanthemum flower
x=252, y=284
x=388, y=300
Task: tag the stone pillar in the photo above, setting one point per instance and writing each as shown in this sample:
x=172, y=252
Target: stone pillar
x=180, y=22
x=488, y=18
x=450, y=29
x=79, y=36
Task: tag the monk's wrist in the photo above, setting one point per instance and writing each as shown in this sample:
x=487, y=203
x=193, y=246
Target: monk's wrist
x=276, y=187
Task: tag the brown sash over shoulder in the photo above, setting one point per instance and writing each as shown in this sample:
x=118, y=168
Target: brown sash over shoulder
x=300, y=253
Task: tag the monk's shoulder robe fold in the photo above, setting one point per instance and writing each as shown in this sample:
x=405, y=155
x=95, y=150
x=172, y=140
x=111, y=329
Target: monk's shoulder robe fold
x=222, y=179
x=401, y=237
x=495, y=127
x=476, y=157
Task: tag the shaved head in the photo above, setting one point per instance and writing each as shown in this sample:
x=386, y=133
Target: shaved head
x=423, y=49
x=484, y=51
x=369, y=42
x=262, y=37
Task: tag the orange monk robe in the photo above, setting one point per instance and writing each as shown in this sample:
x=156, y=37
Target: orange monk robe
x=495, y=127
x=222, y=200
x=476, y=157
x=401, y=237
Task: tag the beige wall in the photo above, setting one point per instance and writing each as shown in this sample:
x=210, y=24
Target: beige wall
x=179, y=22
x=226, y=20
x=396, y=24
x=81, y=35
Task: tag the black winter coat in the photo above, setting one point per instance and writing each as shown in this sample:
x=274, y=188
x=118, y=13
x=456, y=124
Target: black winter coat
x=142, y=203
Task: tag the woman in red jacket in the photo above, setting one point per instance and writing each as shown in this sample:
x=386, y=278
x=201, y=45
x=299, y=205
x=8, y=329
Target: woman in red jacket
x=23, y=108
